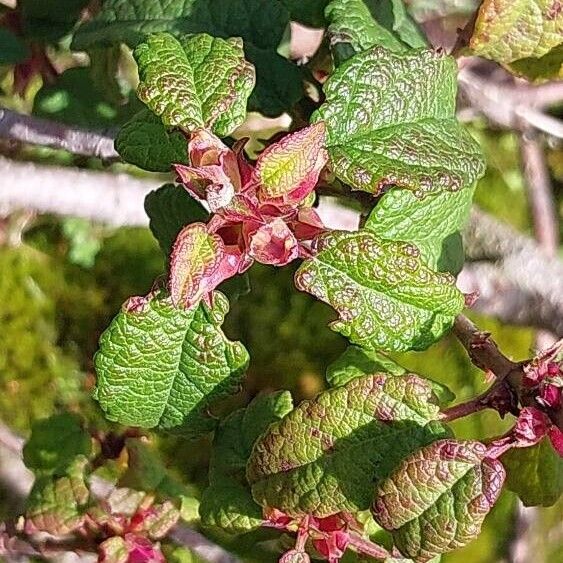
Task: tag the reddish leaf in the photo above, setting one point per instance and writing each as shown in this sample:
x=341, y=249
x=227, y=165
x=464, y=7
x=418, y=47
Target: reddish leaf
x=274, y=243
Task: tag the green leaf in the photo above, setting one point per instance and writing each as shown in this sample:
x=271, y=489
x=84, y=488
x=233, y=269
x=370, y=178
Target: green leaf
x=433, y=224
x=145, y=142
x=377, y=140
x=357, y=25
x=50, y=20
x=227, y=503
x=198, y=81
x=535, y=474
x=309, y=12
x=548, y=66
x=356, y=362
x=14, y=50
x=324, y=456
x=170, y=208
x=159, y=366
x=44, y=452
x=509, y=32
x=57, y=505
x=386, y=297
x=437, y=499
x=260, y=23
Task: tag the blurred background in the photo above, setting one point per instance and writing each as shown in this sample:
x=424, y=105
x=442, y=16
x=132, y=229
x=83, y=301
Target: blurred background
x=68, y=260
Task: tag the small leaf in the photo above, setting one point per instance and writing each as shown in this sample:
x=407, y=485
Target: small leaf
x=324, y=456
x=170, y=208
x=375, y=140
x=509, y=32
x=432, y=224
x=113, y=550
x=535, y=474
x=145, y=142
x=385, y=296
x=289, y=169
x=57, y=505
x=43, y=452
x=198, y=81
x=437, y=499
x=160, y=366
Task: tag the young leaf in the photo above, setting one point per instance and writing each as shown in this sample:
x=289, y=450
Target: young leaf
x=433, y=224
x=145, y=142
x=170, y=208
x=386, y=297
x=437, y=499
x=535, y=474
x=159, y=366
x=519, y=32
x=324, y=456
x=227, y=503
x=197, y=81
x=376, y=139
x=43, y=452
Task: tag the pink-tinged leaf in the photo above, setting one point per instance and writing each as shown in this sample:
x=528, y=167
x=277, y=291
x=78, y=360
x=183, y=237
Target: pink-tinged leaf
x=333, y=546
x=294, y=556
x=550, y=395
x=156, y=521
x=532, y=425
x=113, y=550
x=274, y=243
x=307, y=225
x=198, y=264
x=288, y=171
x=556, y=439
x=142, y=550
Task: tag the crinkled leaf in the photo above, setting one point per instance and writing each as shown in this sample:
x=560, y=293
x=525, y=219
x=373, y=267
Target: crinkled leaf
x=157, y=520
x=43, y=452
x=324, y=456
x=170, y=208
x=14, y=50
x=161, y=366
x=145, y=142
x=535, y=474
x=356, y=362
x=548, y=66
x=376, y=139
x=508, y=31
x=113, y=550
x=197, y=81
x=437, y=499
x=227, y=503
x=433, y=224
x=57, y=505
x=386, y=297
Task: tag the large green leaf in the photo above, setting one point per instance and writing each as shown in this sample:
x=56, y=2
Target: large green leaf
x=433, y=224
x=390, y=120
x=437, y=499
x=145, y=142
x=197, y=81
x=324, y=456
x=227, y=503
x=385, y=295
x=50, y=19
x=14, y=50
x=159, y=366
x=535, y=474
x=520, y=32
x=260, y=23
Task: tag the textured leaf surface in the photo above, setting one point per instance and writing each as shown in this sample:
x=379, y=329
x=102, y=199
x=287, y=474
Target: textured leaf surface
x=386, y=297
x=43, y=453
x=390, y=120
x=437, y=499
x=170, y=208
x=535, y=474
x=160, y=366
x=432, y=224
x=145, y=142
x=324, y=456
x=509, y=30
x=227, y=503
x=198, y=81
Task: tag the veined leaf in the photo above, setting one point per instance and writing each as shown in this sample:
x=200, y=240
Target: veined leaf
x=227, y=503
x=197, y=81
x=390, y=121
x=145, y=142
x=516, y=31
x=160, y=366
x=437, y=499
x=324, y=456
x=386, y=297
